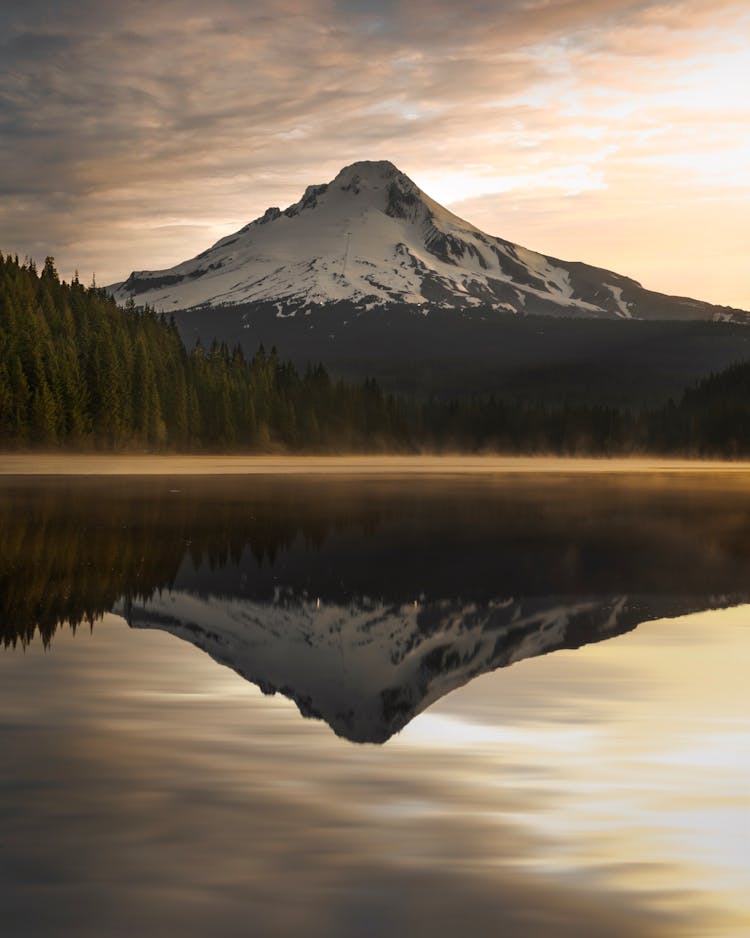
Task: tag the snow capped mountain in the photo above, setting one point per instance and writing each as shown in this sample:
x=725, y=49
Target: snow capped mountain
x=371, y=238
x=368, y=668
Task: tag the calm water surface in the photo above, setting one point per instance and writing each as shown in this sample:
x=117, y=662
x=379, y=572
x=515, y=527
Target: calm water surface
x=278, y=706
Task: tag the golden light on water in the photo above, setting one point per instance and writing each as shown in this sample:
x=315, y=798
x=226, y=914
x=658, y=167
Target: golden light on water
x=619, y=769
x=645, y=775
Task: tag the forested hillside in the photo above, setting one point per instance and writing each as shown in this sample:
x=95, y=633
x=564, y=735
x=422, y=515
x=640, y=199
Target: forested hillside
x=78, y=372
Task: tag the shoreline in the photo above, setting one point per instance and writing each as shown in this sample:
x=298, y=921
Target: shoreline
x=57, y=464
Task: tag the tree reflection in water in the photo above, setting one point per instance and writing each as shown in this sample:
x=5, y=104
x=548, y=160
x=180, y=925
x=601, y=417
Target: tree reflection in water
x=365, y=600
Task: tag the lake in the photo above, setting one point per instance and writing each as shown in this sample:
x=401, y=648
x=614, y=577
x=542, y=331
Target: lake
x=475, y=697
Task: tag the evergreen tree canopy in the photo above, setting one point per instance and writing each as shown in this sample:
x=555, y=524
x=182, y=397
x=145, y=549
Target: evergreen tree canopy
x=77, y=371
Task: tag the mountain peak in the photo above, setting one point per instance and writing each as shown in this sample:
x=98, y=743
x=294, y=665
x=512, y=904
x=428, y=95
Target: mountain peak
x=384, y=185
x=371, y=177
x=371, y=238
x=367, y=171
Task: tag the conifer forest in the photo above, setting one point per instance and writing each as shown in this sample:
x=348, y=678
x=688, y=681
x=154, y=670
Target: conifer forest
x=78, y=372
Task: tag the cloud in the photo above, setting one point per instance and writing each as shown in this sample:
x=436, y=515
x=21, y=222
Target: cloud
x=135, y=134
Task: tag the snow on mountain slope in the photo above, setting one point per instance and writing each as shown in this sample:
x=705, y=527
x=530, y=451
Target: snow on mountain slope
x=368, y=668
x=370, y=238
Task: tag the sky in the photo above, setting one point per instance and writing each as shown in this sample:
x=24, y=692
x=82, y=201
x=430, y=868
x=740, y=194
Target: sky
x=134, y=135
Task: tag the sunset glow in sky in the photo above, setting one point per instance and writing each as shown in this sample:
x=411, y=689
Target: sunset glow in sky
x=134, y=135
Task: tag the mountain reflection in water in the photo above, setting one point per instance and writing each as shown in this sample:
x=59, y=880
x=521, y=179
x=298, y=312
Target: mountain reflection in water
x=366, y=600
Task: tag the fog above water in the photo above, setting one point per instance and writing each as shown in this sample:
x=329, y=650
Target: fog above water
x=68, y=464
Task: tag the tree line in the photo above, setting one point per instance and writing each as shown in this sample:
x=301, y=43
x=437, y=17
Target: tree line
x=78, y=372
